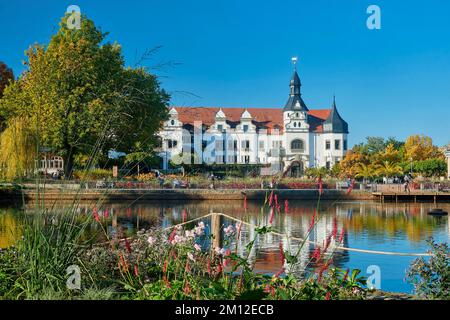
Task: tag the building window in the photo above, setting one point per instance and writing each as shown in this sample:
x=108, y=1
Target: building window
x=172, y=143
x=246, y=159
x=295, y=124
x=172, y=122
x=337, y=144
x=345, y=145
x=297, y=144
x=327, y=144
x=261, y=145
x=245, y=145
x=219, y=145
x=220, y=128
x=328, y=165
x=245, y=127
x=276, y=144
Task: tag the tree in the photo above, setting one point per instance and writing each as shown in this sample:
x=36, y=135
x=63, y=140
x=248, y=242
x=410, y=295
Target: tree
x=373, y=145
x=389, y=169
x=395, y=143
x=17, y=149
x=389, y=154
x=351, y=162
x=81, y=98
x=420, y=147
x=364, y=171
x=6, y=75
x=431, y=167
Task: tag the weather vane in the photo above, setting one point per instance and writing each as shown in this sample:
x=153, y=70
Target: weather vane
x=294, y=62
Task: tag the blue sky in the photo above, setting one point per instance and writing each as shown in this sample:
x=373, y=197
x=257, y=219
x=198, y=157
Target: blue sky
x=236, y=53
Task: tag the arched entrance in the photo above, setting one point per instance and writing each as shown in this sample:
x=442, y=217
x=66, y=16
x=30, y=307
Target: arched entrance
x=296, y=169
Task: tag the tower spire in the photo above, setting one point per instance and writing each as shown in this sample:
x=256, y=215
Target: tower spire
x=295, y=101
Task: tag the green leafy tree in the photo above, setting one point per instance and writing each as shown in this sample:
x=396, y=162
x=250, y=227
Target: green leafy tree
x=81, y=98
x=6, y=75
x=431, y=167
x=372, y=145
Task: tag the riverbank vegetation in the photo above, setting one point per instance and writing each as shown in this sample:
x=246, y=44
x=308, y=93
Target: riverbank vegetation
x=180, y=262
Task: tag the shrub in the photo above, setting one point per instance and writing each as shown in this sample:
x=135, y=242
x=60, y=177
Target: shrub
x=93, y=174
x=431, y=278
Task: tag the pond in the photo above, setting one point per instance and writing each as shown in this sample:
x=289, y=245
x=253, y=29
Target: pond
x=401, y=227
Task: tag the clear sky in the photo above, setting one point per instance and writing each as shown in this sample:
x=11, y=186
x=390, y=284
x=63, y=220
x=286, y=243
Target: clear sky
x=236, y=53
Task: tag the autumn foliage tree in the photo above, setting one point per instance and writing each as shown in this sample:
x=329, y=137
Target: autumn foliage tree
x=81, y=99
x=390, y=158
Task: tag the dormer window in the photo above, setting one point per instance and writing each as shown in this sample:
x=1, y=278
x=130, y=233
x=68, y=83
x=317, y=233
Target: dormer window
x=245, y=128
x=220, y=128
x=172, y=122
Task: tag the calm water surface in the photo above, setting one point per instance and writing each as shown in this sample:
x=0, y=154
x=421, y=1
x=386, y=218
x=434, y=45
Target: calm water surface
x=368, y=225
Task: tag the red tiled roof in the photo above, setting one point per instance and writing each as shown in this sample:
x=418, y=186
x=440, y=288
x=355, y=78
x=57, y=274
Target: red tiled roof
x=264, y=117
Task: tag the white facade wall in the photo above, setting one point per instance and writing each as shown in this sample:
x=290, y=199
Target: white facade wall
x=246, y=144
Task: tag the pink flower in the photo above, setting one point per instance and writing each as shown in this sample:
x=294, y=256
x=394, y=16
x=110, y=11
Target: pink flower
x=341, y=235
x=271, y=198
x=151, y=240
x=245, y=202
x=282, y=256
x=229, y=230
x=334, y=232
x=286, y=206
x=317, y=254
x=197, y=247
x=95, y=214
x=313, y=220
x=272, y=215
x=172, y=235
x=127, y=245
x=238, y=232
x=350, y=188
x=328, y=296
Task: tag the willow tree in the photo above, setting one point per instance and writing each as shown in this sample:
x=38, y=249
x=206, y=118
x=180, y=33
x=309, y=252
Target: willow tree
x=83, y=99
x=17, y=150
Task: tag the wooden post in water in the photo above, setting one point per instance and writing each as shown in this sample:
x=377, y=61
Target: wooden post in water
x=216, y=224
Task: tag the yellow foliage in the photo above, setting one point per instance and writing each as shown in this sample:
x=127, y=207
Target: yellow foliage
x=420, y=147
x=351, y=164
x=17, y=150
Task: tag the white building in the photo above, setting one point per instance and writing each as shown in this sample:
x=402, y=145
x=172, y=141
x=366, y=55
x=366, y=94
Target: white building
x=287, y=139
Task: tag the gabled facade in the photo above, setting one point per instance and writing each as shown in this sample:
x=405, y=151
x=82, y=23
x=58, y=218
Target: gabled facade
x=287, y=139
